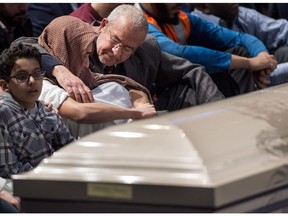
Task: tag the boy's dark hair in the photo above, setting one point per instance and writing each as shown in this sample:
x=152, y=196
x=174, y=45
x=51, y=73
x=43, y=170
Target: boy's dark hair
x=9, y=56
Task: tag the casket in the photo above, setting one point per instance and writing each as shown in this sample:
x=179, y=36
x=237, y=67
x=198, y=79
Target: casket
x=226, y=156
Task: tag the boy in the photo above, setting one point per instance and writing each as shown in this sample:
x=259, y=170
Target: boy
x=28, y=131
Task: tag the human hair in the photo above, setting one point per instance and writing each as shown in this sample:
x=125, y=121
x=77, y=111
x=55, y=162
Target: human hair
x=133, y=14
x=9, y=56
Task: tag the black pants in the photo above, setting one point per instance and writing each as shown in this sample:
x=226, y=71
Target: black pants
x=237, y=81
x=194, y=88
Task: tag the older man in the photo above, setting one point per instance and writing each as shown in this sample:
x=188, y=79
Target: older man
x=174, y=82
x=72, y=47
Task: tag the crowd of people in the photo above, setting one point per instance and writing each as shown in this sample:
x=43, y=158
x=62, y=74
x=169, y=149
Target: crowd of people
x=89, y=66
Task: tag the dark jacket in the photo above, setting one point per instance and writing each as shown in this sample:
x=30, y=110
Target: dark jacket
x=23, y=29
x=41, y=14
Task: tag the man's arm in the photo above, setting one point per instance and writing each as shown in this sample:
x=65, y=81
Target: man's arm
x=92, y=113
x=208, y=38
x=89, y=112
x=74, y=86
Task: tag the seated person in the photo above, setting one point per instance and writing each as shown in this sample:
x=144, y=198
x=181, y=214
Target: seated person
x=179, y=83
x=218, y=49
x=85, y=35
x=13, y=23
x=272, y=32
x=28, y=131
x=41, y=14
x=80, y=39
x=174, y=82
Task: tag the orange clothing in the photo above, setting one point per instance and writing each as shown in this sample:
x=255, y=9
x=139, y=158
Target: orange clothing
x=168, y=28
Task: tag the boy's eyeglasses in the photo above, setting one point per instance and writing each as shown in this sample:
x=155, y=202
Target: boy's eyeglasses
x=24, y=77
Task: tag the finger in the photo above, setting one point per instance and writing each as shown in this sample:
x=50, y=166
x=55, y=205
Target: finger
x=90, y=98
x=267, y=72
x=264, y=81
x=84, y=97
x=49, y=106
x=258, y=85
x=77, y=94
x=70, y=92
x=16, y=203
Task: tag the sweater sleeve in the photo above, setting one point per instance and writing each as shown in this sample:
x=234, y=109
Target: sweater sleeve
x=48, y=62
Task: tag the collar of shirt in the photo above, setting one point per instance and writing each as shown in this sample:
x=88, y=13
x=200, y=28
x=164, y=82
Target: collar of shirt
x=109, y=69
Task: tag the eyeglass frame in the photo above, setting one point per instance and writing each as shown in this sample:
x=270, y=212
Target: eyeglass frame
x=117, y=43
x=28, y=76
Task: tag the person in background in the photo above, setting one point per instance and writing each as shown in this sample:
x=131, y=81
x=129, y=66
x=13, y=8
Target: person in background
x=174, y=82
x=147, y=65
x=41, y=14
x=93, y=112
x=13, y=23
x=272, y=32
x=218, y=49
x=28, y=131
x=278, y=10
x=79, y=39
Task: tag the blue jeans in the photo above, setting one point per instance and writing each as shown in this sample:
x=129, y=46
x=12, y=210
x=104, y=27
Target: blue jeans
x=5, y=207
x=279, y=75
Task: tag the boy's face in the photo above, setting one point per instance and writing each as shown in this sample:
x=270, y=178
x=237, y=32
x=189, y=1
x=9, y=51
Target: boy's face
x=25, y=93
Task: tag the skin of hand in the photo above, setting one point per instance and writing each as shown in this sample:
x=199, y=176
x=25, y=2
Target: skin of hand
x=261, y=66
x=263, y=61
x=48, y=105
x=261, y=77
x=147, y=110
x=138, y=97
x=140, y=100
x=73, y=85
x=15, y=201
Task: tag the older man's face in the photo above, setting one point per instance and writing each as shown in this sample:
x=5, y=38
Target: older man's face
x=117, y=42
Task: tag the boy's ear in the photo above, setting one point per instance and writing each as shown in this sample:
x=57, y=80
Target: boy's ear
x=4, y=86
